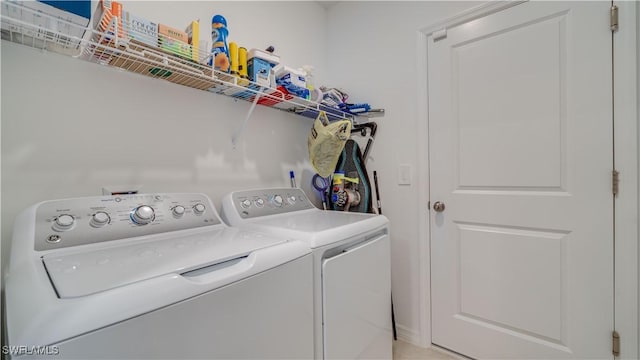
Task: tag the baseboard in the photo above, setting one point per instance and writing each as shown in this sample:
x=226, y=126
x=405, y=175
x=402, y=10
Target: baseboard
x=412, y=337
x=409, y=335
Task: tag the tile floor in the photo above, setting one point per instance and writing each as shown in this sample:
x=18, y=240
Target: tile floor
x=403, y=350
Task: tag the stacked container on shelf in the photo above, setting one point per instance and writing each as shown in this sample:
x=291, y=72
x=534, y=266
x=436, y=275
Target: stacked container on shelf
x=156, y=35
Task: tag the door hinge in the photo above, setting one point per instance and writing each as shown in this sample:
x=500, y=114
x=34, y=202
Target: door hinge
x=613, y=15
x=615, y=182
x=615, y=343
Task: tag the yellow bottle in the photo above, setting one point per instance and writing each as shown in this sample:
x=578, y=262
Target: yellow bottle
x=242, y=63
x=233, y=54
x=243, y=72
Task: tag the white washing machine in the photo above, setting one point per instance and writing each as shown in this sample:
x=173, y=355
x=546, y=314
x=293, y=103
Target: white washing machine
x=153, y=276
x=351, y=267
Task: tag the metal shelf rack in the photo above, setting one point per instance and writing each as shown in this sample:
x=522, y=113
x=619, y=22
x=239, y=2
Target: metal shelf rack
x=114, y=47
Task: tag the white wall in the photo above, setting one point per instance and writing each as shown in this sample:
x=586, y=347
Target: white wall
x=70, y=127
x=373, y=54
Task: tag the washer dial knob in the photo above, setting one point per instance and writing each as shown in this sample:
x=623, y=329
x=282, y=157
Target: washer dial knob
x=100, y=219
x=143, y=215
x=177, y=211
x=291, y=199
x=64, y=222
x=246, y=203
x=259, y=202
x=199, y=209
x=277, y=200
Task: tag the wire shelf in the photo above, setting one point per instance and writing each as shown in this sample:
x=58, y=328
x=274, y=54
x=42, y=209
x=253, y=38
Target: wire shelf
x=132, y=52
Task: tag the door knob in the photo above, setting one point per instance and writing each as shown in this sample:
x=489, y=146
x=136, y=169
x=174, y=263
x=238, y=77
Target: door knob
x=438, y=206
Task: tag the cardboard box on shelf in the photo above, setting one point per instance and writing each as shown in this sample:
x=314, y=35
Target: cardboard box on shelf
x=173, y=33
x=140, y=29
x=104, y=14
x=173, y=41
x=193, y=36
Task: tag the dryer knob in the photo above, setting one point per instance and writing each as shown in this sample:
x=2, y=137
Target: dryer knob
x=143, y=215
x=64, y=222
x=277, y=200
x=99, y=219
x=199, y=209
x=177, y=211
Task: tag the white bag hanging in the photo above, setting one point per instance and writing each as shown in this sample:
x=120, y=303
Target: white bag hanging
x=326, y=142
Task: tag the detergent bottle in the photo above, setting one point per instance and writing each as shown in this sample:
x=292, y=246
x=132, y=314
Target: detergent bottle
x=219, y=48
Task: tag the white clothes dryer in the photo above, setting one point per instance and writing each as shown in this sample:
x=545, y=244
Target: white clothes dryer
x=153, y=276
x=351, y=267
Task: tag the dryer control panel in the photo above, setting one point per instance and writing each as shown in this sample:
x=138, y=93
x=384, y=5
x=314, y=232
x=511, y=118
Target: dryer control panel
x=80, y=221
x=263, y=202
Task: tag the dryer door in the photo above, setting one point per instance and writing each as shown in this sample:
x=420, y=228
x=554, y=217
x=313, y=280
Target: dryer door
x=357, y=301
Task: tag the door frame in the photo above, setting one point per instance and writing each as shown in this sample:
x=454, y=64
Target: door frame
x=626, y=132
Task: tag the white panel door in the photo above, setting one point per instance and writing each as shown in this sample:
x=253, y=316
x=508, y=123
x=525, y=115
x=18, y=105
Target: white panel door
x=520, y=143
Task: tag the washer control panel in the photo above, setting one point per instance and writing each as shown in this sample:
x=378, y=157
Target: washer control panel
x=256, y=203
x=72, y=222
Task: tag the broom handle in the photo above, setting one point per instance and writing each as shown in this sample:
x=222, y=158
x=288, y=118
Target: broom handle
x=375, y=181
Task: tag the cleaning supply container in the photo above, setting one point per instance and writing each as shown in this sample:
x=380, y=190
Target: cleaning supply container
x=259, y=65
x=219, y=47
x=293, y=80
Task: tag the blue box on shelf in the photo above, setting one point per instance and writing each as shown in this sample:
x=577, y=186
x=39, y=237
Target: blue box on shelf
x=78, y=7
x=259, y=71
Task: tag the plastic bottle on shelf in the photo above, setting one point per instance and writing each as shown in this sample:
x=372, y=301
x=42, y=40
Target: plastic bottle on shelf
x=315, y=94
x=219, y=48
x=233, y=57
x=242, y=63
x=308, y=69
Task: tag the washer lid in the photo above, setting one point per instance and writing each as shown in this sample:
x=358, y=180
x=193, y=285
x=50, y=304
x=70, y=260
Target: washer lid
x=84, y=273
